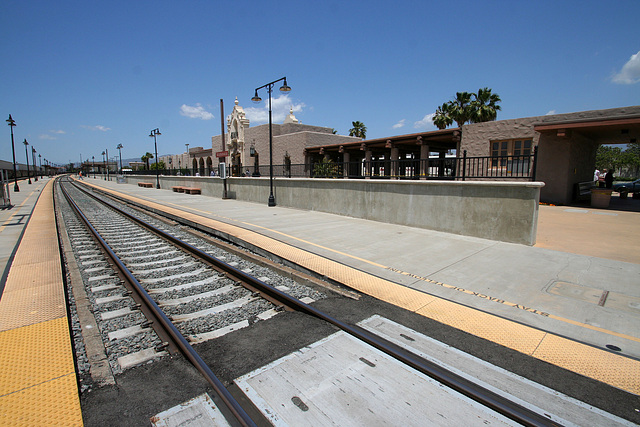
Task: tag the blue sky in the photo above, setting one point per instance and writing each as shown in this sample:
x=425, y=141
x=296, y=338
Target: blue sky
x=80, y=77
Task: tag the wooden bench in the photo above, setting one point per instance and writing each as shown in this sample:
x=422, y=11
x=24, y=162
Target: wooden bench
x=583, y=190
x=192, y=190
x=177, y=189
x=145, y=184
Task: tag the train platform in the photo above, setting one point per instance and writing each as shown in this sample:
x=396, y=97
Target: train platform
x=573, y=301
x=38, y=383
x=569, y=308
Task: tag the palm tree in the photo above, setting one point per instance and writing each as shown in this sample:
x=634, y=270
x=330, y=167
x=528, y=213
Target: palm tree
x=461, y=109
x=359, y=130
x=468, y=108
x=441, y=118
x=146, y=158
x=485, y=106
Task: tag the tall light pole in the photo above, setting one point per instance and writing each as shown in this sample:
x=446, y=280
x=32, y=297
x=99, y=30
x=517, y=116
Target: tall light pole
x=106, y=150
x=40, y=168
x=26, y=153
x=186, y=166
x=256, y=98
x=12, y=123
x=103, y=177
x=93, y=166
x=33, y=157
x=155, y=132
x=119, y=147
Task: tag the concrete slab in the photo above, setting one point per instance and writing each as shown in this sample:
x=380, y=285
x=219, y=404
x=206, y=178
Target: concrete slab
x=200, y=411
x=305, y=388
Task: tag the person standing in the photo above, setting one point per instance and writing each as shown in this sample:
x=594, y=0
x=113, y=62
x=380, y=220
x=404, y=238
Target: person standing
x=608, y=179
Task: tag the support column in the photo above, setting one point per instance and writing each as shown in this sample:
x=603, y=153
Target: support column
x=345, y=163
x=424, y=161
x=367, y=163
x=441, y=157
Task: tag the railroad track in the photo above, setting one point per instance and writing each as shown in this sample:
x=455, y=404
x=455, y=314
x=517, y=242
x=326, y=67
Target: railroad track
x=170, y=291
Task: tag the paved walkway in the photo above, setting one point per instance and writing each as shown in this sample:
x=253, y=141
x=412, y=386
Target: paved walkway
x=13, y=219
x=612, y=233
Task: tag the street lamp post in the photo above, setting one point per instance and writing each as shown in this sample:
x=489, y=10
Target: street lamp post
x=26, y=153
x=12, y=123
x=106, y=150
x=33, y=157
x=103, y=177
x=186, y=164
x=256, y=98
x=40, y=168
x=155, y=132
x=119, y=147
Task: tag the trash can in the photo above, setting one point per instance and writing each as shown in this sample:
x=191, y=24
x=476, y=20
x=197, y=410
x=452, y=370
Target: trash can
x=600, y=197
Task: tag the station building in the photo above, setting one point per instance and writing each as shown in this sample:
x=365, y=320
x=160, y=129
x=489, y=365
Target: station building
x=248, y=147
x=558, y=149
x=566, y=146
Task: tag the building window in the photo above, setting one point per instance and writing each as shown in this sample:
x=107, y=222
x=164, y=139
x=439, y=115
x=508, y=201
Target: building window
x=513, y=150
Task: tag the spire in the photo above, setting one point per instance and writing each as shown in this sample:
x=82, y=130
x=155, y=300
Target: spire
x=290, y=118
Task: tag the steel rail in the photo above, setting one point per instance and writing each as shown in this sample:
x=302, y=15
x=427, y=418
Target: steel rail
x=488, y=398
x=230, y=402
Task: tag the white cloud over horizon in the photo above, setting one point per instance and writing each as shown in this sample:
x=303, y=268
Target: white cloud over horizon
x=97, y=127
x=551, y=113
x=630, y=72
x=51, y=137
x=280, y=108
x=426, y=122
x=400, y=124
x=195, y=112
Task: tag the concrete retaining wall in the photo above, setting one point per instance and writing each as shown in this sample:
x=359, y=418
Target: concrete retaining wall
x=505, y=211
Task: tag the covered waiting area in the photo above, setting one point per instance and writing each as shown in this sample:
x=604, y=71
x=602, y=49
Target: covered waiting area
x=402, y=156
x=567, y=151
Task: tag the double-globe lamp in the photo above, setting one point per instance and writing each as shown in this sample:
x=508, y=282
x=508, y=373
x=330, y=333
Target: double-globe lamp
x=256, y=98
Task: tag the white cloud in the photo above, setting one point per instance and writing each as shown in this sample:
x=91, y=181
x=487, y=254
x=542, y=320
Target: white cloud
x=400, y=124
x=426, y=122
x=280, y=107
x=551, y=113
x=59, y=132
x=97, y=127
x=630, y=72
x=195, y=112
x=46, y=136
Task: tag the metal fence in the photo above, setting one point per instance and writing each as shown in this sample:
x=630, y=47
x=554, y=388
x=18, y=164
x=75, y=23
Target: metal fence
x=452, y=168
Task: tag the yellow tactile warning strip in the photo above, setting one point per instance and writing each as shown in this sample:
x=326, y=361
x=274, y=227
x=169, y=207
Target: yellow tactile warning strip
x=592, y=362
x=37, y=373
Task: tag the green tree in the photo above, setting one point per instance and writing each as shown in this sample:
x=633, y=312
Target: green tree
x=146, y=158
x=325, y=169
x=160, y=166
x=461, y=109
x=608, y=157
x=468, y=108
x=442, y=118
x=358, y=130
x=485, y=106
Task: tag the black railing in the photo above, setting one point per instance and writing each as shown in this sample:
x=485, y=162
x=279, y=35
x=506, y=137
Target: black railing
x=448, y=168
